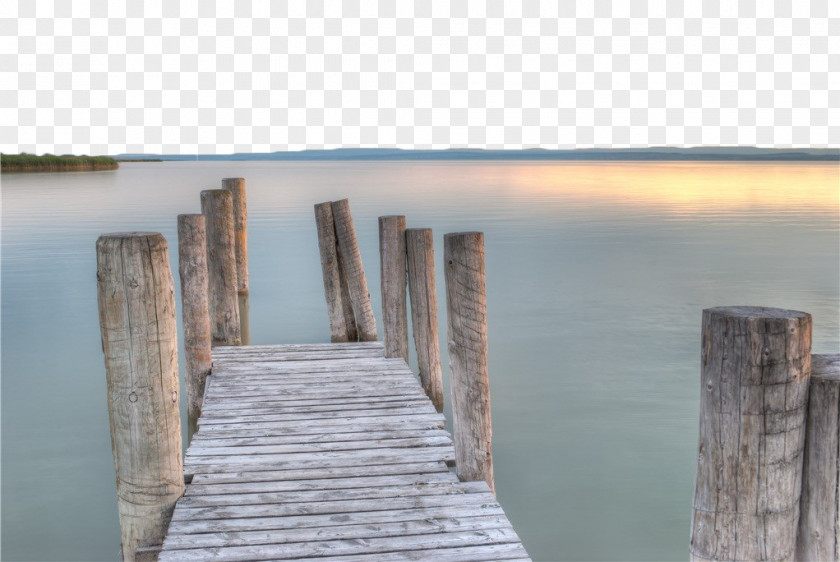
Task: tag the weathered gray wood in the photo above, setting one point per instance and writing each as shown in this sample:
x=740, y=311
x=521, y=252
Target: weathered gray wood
x=346, y=548
x=450, y=506
x=339, y=307
x=510, y=552
x=383, y=436
x=136, y=296
x=268, y=475
x=217, y=208
x=421, y=284
x=338, y=532
x=236, y=186
x=819, y=525
x=756, y=365
x=296, y=347
x=192, y=267
x=209, y=448
x=392, y=283
x=466, y=306
x=351, y=263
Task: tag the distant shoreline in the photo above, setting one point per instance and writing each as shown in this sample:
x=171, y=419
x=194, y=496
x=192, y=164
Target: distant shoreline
x=14, y=163
x=701, y=154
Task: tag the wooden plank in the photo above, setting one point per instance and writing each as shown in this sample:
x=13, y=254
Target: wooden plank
x=344, y=547
x=319, y=484
x=224, y=447
x=236, y=464
x=416, y=405
x=326, y=506
x=320, y=438
x=477, y=553
x=433, y=506
x=406, y=468
x=313, y=427
x=291, y=347
x=302, y=356
x=253, y=401
x=340, y=532
x=442, y=452
x=392, y=283
x=332, y=416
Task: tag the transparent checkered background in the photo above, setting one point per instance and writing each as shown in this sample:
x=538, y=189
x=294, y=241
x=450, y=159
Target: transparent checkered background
x=200, y=76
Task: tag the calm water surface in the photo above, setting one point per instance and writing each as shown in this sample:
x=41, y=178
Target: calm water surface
x=596, y=277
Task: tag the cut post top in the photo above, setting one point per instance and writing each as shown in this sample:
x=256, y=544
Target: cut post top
x=756, y=312
x=223, y=193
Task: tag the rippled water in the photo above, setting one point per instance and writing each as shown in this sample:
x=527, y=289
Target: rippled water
x=596, y=276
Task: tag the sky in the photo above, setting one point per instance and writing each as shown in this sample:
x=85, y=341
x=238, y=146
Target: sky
x=212, y=77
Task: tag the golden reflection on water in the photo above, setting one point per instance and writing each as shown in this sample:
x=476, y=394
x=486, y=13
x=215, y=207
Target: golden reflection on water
x=688, y=187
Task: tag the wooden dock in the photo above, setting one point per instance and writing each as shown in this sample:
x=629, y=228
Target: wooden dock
x=327, y=451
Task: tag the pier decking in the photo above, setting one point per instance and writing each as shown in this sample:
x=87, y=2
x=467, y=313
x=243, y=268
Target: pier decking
x=327, y=451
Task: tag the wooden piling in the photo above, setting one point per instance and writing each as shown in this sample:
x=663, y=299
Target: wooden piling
x=351, y=264
x=339, y=309
x=819, y=520
x=420, y=254
x=136, y=298
x=466, y=306
x=756, y=365
x=393, y=285
x=236, y=186
x=192, y=267
x=217, y=208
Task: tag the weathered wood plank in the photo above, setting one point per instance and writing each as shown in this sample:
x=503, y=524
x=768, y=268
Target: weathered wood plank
x=393, y=283
x=346, y=548
x=508, y=551
x=317, y=427
x=293, y=347
x=438, y=453
x=236, y=187
x=433, y=506
x=268, y=475
x=217, y=208
x=380, y=407
x=409, y=412
x=208, y=448
x=383, y=436
x=323, y=399
x=342, y=532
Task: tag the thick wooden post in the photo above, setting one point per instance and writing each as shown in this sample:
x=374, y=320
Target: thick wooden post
x=756, y=365
x=192, y=267
x=217, y=208
x=236, y=186
x=466, y=307
x=393, y=280
x=136, y=297
x=819, y=520
x=421, y=286
x=339, y=309
x=351, y=264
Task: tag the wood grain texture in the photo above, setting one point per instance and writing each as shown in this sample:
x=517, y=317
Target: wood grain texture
x=393, y=285
x=192, y=268
x=466, y=306
x=339, y=307
x=350, y=259
x=756, y=365
x=136, y=296
x=217, y=208
x=236, y=186
x=819, y=520
x=424, y=322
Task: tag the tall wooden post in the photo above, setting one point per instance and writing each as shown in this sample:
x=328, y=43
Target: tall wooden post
x=421, y=286
x=351, y=264
x=819, y=520
x=756, y=365
x=236, y=186
x=466, y=306
x=393, y=281
x=192, y=267
x=339, y=309
x=136, y=297
x=217, y=208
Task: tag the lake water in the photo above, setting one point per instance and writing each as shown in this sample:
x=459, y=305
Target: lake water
x=596, y=277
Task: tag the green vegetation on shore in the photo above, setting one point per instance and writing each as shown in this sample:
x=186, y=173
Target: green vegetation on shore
x=49, y=163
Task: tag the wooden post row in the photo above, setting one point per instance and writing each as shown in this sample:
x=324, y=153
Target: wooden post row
x=466, y=307
x=819, y=519
x=192, y=267
x=392, y=255
x=339, y=308
x=424, y=323
x=136, y=297
x=345, y=285
x=754, y=391
x=217, y=208
x=236, y=186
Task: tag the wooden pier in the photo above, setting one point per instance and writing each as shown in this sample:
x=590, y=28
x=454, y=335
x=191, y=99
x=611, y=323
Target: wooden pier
x=327, y=451
x=332, y=451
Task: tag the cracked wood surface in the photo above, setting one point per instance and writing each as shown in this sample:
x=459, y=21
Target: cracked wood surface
x=300, y=455
x=217, y=208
